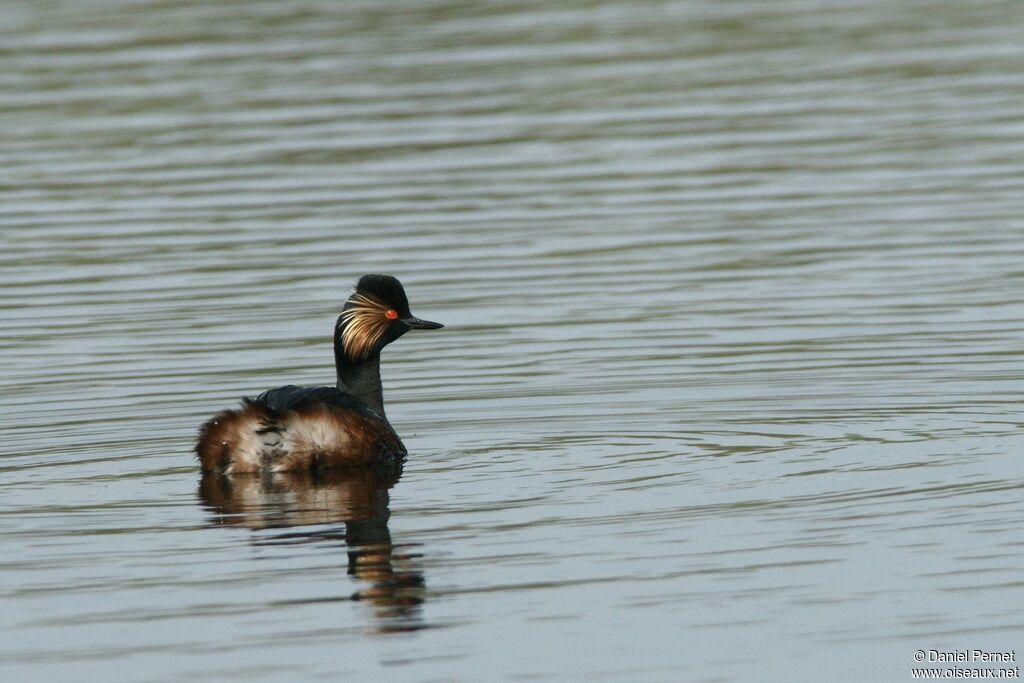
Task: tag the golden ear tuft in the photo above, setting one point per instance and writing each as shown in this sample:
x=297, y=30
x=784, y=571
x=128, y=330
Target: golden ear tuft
x=365, y=322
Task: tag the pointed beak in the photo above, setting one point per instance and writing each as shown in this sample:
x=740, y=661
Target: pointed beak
x=417, y=324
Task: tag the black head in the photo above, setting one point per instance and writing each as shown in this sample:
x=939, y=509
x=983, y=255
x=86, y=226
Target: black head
x=375, y=315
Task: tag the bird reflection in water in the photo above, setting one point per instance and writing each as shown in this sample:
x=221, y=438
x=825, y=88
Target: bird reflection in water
x=358, y=497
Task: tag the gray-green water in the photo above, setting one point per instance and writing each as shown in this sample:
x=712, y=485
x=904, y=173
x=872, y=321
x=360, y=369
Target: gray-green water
x=731, y=383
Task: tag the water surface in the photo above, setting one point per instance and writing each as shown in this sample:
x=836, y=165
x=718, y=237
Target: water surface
x=729, y=388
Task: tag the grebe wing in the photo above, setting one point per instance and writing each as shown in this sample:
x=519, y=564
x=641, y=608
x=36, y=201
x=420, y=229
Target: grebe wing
x=291, y=397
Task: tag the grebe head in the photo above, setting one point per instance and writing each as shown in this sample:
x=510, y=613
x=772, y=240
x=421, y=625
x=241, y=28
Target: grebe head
x=375, y=315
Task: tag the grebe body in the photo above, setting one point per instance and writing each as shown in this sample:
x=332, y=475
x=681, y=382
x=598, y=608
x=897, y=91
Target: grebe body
x=295, y=428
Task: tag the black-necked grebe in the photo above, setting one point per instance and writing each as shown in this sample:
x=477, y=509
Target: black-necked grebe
x=293, y=428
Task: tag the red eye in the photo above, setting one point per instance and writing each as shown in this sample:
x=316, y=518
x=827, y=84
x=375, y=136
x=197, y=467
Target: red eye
x=391, y=315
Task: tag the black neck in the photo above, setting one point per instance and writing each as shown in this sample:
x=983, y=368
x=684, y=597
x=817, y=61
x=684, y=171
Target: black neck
x=362, y=380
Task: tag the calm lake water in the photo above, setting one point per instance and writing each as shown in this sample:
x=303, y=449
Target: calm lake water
x=730, y=387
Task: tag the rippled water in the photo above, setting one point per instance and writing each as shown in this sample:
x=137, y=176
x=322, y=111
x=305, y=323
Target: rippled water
x=730, y=387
